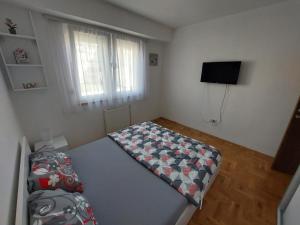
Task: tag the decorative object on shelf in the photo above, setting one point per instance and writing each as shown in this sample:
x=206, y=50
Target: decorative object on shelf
x=29, y=85
x=21, y=56
x=153, y=59
x=12, y=27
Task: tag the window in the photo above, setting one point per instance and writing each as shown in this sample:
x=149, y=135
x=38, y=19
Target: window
x=127, y=58
x=108, y=66
x=90, y=49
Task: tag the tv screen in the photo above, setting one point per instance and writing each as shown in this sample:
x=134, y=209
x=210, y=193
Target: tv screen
x=221, y=72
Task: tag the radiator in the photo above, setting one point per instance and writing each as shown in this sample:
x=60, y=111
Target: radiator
x=117, y=118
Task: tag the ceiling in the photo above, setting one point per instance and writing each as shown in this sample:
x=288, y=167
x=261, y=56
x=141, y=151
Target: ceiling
x=176, y=13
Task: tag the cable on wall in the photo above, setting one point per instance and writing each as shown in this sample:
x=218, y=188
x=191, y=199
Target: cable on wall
x=201, y=104
x=221, y=109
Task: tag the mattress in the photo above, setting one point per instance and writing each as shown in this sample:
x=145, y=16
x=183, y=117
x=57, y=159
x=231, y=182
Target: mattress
x=121, y=191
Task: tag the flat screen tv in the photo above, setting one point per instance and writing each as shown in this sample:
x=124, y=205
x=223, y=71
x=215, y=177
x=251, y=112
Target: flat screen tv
x=221, y=72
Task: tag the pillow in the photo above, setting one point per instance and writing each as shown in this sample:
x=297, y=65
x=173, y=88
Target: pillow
x=51, y=170
x=59, y=207
x=49, y=155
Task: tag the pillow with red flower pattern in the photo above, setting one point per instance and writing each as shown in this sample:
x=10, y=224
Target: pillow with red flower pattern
x=51, y=170
x=49, y=207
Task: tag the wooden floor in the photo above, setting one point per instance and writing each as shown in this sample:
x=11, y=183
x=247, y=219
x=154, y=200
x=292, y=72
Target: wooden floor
x=245, y=192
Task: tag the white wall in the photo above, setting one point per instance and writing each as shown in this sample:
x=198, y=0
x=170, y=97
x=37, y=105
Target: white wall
x=259, y=108
x=101, y=13
x=10, y=135
x=40, y=110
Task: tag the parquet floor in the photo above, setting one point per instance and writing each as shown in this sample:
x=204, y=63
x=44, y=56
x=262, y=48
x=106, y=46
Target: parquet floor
x=245, y=192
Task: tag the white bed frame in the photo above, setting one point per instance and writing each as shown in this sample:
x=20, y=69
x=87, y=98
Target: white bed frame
x=22, y=195
x=189, y=211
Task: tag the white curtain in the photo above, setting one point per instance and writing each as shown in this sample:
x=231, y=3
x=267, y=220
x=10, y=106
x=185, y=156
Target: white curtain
x=129, y=63
x=95, y=67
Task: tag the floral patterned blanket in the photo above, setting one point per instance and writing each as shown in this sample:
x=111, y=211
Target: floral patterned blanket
x=184, y=163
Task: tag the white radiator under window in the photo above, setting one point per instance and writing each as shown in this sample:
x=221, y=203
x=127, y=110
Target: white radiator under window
x=117, y=118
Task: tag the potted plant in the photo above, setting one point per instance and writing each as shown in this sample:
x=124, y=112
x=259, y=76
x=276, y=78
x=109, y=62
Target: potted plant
x=12, y=27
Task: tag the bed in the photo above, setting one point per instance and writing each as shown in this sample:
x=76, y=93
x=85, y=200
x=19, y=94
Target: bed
x=121, y=190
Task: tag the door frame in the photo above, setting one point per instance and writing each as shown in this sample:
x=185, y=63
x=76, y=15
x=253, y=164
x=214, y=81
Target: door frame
x=279, y=151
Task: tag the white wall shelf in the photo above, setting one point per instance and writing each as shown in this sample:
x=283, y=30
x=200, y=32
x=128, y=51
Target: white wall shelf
x=30, y=89
x=19, y=75
x=17, y=36
x=24, y=65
